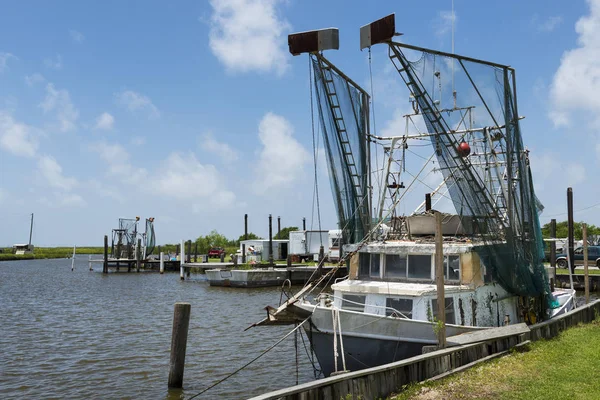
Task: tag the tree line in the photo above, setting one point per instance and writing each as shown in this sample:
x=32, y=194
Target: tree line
x=562, y=231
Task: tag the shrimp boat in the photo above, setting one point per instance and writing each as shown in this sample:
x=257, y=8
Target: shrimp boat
x=463, y=130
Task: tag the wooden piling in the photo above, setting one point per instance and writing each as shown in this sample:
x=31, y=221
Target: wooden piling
x=585, y=264
x=243, y=253
x=181, y=261
x=553, y=245
x=270, y=240
x=138, y=255
x=161, y=263
x=196, y=252
x=245, y=226
x=278, y=227
x=90, y=263
x=304, y=223
x=571, y=229
x=181, y=323
x=439, y=279
x=105, y=264
x=189, y=251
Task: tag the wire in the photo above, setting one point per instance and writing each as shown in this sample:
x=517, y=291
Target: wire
x=581, y=209
x=251, y=361
x=315, y=145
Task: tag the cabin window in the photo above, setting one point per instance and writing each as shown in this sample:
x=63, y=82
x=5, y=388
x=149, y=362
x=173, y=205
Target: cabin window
x=419, y=266
x=449, y=303
x=353, y=302
x=335, y=242
x=364, y=260
x=375, y=265
x=399, y=307
x=395, y=266
x=452, y=268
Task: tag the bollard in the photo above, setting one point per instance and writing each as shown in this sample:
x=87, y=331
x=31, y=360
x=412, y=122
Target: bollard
x=181, y=323
x=162, y=263
x=222, y=257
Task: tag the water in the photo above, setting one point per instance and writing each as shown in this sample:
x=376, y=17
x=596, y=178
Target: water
x=83, y=334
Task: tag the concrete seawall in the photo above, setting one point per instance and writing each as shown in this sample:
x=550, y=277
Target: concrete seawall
x=384, y=380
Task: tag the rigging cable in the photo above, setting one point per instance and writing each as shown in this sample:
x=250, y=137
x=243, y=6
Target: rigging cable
x=379, y=179
x=314, y=141
x=251, y=361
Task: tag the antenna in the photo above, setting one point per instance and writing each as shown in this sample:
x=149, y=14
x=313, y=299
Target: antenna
x=453, y=91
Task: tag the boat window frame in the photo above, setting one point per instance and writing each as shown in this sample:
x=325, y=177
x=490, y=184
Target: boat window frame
x=352, y=303
x=447, y=267
x=431, y=267
x=407, y=314
x=451, y=311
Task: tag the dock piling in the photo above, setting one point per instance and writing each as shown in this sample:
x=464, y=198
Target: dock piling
x=161, y=262
x=196, y=252
x=270, y=240
x=90, y=262
x=105, y=264
x=181, y=323
x=189, y=251
x=585, y=265
x=181, y=260
x=439, y=278
x=138, y=255
x=243, y=253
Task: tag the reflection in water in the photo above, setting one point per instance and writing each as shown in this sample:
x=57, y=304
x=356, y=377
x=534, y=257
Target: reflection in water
x=82, y=334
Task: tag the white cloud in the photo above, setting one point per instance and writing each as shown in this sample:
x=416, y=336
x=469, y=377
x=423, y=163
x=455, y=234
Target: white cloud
x=549, y=167
x=183, y=177
x=17, y=138
x=138, y=141
x=576, y=83
x=548, y=24
x=54, y=63
x=31, y=80
x=223, y=150
x=61, y=199
x=76, y=36
x=4, y=57
x=51, y=170
x=105, y=121
x=134, y=101
x=59, y=102
x=249, y=35
x=119, y=164
x=444, y=22
x=282, y=158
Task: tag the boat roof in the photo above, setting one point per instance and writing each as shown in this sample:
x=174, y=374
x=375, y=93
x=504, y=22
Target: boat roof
x=411, y=247
x=409, y=289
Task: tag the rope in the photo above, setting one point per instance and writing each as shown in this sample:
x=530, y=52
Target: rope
x=335, y=352
x=251, y=361
x=315, y=145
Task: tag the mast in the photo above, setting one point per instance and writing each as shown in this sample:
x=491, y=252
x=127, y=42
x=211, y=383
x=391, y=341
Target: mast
x=30, y=230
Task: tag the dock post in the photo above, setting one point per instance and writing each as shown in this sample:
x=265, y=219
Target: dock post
x=161, y=263
x=181, y=324
x=289, y=261
x=304, y=223
x=138, y=255
x=90, y=262
x=105, y=264
x=189, y=251
x=585, y=264
x=570, y=227
x=321, y=258
x=278, y=227
x=181, y=261
x=196, y=252
x=553, y=246
x=439, y=278
x=243, y=253
x=270, y=240
x=245, y=226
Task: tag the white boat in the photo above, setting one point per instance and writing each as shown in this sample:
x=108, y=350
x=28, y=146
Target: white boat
x=493, y=275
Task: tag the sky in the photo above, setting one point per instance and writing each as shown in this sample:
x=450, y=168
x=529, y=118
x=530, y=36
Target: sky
x=195, y=113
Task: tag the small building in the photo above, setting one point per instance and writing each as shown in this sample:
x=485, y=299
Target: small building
x=259, y=248
x=23, y=248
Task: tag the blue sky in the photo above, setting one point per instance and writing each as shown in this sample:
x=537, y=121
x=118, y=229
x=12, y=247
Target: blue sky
x=195, y=113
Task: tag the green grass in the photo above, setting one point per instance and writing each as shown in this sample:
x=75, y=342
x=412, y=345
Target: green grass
x=48, y=252
x=578, y=271
x=566, y=367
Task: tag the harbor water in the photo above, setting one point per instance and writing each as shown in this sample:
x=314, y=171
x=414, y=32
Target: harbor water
x=83, y=334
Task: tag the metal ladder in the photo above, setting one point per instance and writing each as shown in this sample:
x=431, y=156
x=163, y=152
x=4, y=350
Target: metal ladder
x=343, y=140
x=435, y=119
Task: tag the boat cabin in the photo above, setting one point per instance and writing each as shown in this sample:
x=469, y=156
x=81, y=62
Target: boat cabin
x=23, y=248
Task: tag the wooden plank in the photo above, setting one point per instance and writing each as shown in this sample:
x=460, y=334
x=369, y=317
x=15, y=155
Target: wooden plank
x=487, y=334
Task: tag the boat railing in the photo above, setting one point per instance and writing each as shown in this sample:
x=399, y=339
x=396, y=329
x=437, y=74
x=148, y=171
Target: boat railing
x=394, y=311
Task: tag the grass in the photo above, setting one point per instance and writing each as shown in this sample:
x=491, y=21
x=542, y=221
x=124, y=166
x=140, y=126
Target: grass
x=578, y=271
x=566, y=367
x=49, y=252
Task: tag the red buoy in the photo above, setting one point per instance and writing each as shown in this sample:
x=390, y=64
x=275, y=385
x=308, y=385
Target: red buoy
x=464, y=149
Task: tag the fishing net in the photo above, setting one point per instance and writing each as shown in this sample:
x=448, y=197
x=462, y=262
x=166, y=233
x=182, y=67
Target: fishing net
x=470, y=111
x=342, y=107
x=150, y=238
